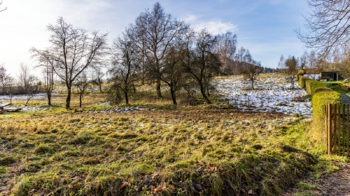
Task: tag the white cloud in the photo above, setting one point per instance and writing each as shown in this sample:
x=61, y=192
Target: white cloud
x=23, y=25
x=213, y=26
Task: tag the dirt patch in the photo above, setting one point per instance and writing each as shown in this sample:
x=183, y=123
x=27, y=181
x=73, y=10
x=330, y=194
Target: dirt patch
x=212, y=114
x=337, y=184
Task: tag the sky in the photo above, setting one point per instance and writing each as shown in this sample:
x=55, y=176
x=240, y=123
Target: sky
x=265, y=27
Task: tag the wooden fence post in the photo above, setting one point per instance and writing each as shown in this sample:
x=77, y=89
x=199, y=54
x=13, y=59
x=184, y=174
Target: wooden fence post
x=339, y=129
x=329, y=117
x=348, y=129
x=343, y=130
x=335, y=129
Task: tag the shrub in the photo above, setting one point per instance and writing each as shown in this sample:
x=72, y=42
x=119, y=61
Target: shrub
x=321, y=99
x=313, y=85
x=323, y=89
x=302, y=80
x=300, y=73
x=7, y=161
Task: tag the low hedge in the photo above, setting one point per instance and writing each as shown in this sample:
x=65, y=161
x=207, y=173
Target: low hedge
x=321, y=95
x=321, y=99
x=300, y=73
x=313, y=85
x=302, y=80
x=323, y=89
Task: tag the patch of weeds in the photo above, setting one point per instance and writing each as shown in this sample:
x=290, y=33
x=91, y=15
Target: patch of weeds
x=43, y=149
x=7, y=161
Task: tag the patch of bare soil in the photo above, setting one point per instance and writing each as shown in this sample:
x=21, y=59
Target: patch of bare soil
x=211, y=114
x=336, y=183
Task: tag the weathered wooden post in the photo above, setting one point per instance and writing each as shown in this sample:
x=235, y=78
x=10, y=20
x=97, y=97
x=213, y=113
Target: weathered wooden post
x=329, y=117
x=348, y=129
x=343, y=130
x=335, y=129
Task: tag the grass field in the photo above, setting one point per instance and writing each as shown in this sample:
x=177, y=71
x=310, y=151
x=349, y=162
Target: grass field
x=153, y=148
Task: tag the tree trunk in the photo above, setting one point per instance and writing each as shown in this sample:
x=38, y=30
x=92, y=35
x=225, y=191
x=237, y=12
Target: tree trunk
x=208, y=90
x=49, y=98
x=68, y=98
x=204, y=94
x=159, y=95
x=253, y=84
x=143, y=72
x=126, y=98
x=80, y=99
x=100, y=87
x=173, y=96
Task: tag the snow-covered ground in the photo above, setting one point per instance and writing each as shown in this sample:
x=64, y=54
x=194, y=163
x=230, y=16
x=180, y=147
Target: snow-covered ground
x=313, y=76
x=273, y=93
x=23, y=97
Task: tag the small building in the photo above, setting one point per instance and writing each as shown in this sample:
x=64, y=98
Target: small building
x=330, y=76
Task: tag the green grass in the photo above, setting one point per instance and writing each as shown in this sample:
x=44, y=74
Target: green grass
x=339, y=88
x=58, y=153
x=87, y=152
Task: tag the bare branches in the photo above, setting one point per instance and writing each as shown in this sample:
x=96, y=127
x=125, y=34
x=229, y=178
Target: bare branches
x=126, y=65
x=6, y=81
x=72, y=51
x=291, y=65
x=200, y=61
x=226, y=48
x=251, y=68
x=328, y=25
x=155, y=33
x=28, y=83
x=82, y=84
x=2, y=9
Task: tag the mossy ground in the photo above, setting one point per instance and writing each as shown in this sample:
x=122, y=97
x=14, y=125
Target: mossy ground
x=89, y=151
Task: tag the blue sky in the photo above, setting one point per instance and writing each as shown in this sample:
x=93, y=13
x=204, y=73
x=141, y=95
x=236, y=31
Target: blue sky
x=265, y=27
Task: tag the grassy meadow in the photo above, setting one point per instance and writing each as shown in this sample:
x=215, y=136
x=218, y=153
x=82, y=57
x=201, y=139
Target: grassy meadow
x=154, y=148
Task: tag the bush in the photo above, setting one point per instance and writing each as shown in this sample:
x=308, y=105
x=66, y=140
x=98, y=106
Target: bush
x=302, y=80
x=323, y=89
x=300, y=73
x=313, y=85
x=321, y=99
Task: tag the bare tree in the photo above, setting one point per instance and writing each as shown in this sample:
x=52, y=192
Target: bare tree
x=291, y=65
x=4, y=78
x=98, y=75
x=82, y=85
x=29, y=84
x=312, y=59
x=72, y=50
x=200, y=61
x=9, y=89
x=226, y=48
x=3, y=9
x=327, y=25
x=251, y=69
x=7, y=82
x=239, y=60
x=126, y=62
x=48, y=75
x=303, y=62
x=156, y=32
x=173, y=73
x=281, y=63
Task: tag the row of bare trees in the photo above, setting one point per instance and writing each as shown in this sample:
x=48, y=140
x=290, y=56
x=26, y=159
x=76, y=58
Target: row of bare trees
x=72, y=51
x=25, y=83
x=327, y=32
x=306, y=60
x=157, y=49
x=160, y=49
